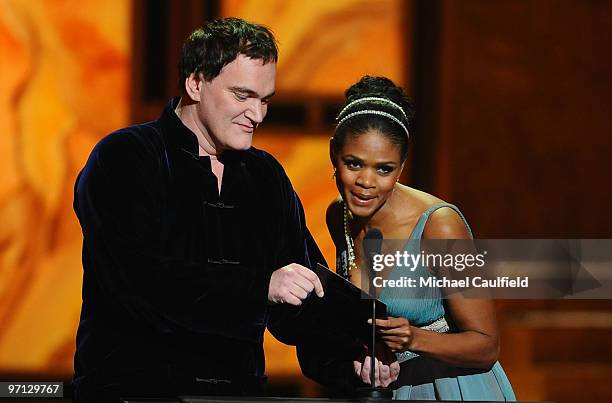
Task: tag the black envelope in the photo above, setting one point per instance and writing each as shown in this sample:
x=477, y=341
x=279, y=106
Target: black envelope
x=344, y=306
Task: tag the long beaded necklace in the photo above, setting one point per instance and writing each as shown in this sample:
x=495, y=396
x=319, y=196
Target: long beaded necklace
x=350, y=246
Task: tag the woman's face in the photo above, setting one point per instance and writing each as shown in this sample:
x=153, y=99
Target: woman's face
x=368, y=166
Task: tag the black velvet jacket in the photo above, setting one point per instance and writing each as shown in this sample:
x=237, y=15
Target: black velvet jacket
x=175, y=275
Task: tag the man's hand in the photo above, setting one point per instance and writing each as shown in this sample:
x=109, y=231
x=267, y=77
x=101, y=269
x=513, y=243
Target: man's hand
x=292, y=284
x=386, y=367
x=385, y=373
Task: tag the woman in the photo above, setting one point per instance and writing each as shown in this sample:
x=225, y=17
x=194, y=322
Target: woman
x=368, y=152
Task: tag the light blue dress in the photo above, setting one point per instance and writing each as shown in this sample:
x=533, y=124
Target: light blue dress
x=427, y=307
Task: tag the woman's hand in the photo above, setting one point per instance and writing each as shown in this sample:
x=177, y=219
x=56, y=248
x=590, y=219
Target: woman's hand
x=396, y=333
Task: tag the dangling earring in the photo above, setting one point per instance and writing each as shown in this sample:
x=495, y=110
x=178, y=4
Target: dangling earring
x=334, y=174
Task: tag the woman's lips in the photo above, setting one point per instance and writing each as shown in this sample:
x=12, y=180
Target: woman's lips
x=362, y=200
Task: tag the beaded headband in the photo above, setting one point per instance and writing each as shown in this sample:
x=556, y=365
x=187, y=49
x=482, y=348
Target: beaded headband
x=373, y=112
x=365, y=99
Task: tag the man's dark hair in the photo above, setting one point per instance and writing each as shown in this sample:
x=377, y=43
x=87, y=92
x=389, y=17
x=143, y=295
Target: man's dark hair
x=208, y=49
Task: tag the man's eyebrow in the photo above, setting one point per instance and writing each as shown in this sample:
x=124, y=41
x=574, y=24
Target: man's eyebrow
x=250, y=92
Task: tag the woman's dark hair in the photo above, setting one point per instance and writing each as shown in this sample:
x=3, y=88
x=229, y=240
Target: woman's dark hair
x=218, y=43
x=351, y=122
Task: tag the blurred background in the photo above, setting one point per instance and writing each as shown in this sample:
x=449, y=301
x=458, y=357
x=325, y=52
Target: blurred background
x=513, y=126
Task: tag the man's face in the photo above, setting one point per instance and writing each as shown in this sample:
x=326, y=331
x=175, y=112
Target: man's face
x=235, y=102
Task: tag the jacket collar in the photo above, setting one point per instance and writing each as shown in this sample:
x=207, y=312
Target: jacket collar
x=176, y=134
x=179, y=136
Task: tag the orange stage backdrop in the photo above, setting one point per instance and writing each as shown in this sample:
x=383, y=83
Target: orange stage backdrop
x=325, y=46
x=64, y=80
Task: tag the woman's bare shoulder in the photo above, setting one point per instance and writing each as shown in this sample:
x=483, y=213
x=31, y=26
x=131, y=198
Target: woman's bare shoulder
x=417, y=201
x=444, y=223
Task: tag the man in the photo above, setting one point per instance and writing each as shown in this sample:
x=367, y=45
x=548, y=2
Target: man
x=194, y=241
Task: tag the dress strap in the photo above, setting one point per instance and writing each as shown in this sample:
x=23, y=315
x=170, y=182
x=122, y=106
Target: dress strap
x=417, y=232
